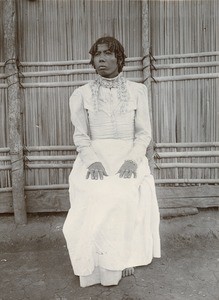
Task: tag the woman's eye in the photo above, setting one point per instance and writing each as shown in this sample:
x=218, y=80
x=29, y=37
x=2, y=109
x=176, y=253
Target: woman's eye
x=96, y=54
x=108, y=52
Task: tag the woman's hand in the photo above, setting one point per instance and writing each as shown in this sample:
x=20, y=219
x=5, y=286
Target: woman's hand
x=128, y=169
x=96, y=171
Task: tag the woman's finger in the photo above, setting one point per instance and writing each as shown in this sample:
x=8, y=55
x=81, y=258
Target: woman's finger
x=126, y=174
x=95, y=174
x=92, y=173
x=121, y=173
x=101, y=174
x=88, y=174
x=130, y=174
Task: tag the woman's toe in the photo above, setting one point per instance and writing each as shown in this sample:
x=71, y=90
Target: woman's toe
x=127, y=272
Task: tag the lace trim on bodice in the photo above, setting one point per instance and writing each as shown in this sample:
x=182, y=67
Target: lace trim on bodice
x=118, y=82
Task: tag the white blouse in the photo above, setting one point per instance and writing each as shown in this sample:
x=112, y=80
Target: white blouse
x=109, y=121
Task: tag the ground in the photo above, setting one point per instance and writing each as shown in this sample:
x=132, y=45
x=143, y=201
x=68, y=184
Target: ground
x=34, y=263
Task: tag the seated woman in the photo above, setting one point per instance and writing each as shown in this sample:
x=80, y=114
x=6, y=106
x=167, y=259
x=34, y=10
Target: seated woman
x=113, y=223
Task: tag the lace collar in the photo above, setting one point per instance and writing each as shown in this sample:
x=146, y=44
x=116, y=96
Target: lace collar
x=110, y=82
x=118, y=82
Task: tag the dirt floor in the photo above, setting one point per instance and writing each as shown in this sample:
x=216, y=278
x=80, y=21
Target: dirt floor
x=34, y=263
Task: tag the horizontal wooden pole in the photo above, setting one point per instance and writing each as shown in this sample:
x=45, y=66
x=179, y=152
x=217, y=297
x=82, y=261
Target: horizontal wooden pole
x=49, y=166
x=2, y=150
x=187, y=165
x=157, y=181
x=5, y=158
x=4, y=168
x=187, y=55
x=177, y=211
x=46, y=187
x=158, y=145
x=64, y=83
x=183, y=154
x=203, y=191
x=69, y=72
x=186, y=180
x=186, y=77
x=188, y=154
x=50, y=148
x=66, y=62
x=51, y=158
x=7, y=189
x=186, y=65
x=129, y=59
x=161, y=155
x=3, y=85
x=73, y=72
x=187, y=145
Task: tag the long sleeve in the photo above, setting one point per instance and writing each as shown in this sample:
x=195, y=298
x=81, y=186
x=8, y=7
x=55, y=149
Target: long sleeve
x=81, y=134
x=142, y=126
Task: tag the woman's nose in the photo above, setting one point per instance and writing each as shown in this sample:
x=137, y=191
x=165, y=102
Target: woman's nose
x=101, y=58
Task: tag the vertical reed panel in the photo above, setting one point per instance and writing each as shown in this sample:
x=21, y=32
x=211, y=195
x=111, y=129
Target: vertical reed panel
x=185, y=111
x=60, y=30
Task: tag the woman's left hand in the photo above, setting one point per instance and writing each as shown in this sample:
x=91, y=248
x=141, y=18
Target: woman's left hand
x=128, y=169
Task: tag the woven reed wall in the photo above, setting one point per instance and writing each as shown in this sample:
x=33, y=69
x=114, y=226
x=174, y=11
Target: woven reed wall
x=185, y=96
x=58, y=31
x=61, y=31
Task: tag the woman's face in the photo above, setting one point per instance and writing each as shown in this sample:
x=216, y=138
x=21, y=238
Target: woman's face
x=105, y=62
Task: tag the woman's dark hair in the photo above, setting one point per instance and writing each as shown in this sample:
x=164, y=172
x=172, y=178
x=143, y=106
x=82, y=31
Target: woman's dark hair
x=114, y=46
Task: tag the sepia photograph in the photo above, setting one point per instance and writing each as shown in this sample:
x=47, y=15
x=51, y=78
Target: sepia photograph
x=109, y=149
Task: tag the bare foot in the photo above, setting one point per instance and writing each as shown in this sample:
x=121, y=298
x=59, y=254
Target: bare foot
x=128, y=272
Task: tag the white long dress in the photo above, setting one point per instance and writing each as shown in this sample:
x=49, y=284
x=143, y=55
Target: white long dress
x=113, y=223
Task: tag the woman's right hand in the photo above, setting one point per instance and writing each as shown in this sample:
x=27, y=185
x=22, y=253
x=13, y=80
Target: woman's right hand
x=96, y=171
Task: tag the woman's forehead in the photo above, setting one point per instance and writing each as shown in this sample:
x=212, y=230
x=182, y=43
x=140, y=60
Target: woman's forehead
x=102, y=47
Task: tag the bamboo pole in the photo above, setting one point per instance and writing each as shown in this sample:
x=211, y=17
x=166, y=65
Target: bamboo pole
x=3, y=168
x=14, y=111
x=64, y=83
x=187, y=145
x=49, y=166
x=187, y=165
x=187, y=77
x=188, y=154
x=3, y=190
x=67, y=62
x=157, y=181
x=46, y=187
x=4, y=150
x=186, y=65
x=51, y=157
x=68, y=72
x=129, y=59
x=50, y=148
x=190, y=181
x=147, y=71
x=186, y=55
x=3, y=85
x=5, y=158
x=130, y=69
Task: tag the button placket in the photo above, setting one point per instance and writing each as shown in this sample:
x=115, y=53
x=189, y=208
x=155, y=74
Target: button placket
x=112, y=114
